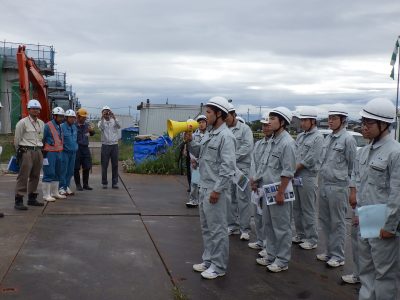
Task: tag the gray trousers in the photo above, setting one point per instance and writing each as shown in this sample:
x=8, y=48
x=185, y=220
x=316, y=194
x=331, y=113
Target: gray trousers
x=354, y=248
x=239, y=212
x=332, y=212
x=29, y=172
x=379, y=268
x=259, y=224
x=214, y=229
x=278, y=233
x=109, y=152
x=194, y=193
x=305, y=210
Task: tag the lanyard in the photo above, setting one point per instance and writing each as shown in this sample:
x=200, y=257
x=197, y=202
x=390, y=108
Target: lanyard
x=33, y=123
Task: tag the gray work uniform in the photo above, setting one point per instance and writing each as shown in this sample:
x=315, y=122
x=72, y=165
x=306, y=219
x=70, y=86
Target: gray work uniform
x=261, y=148
x=239, y=212
x=217, y=165
x=308, y=153
x=194, y=187
x=377, y=178
x=279, y=162
x=337, y=164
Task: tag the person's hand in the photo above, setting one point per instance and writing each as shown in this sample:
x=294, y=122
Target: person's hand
x=386, y=235
x=214, y=196
x=112, y=115
x=254, y=185
x=353, y=198
x=188, y=136
x=280, y=198
x=355, y=220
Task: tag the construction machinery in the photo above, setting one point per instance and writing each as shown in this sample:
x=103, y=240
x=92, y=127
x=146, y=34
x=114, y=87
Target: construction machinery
x=30, y=73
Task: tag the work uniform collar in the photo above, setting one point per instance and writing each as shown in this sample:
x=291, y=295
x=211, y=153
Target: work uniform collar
x=265, y=140
x=339, y=133
x=219, y=129
x=237, y=126
x=277, y=139
x=381, y=142
x=315, y=129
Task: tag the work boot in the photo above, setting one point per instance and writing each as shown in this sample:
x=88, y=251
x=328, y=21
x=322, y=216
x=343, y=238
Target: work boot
x=46, y=188
x=32, y=200
x=54, y=190
x=77, y=178
x=1, y=215
x=19, y=203
x=85, y=179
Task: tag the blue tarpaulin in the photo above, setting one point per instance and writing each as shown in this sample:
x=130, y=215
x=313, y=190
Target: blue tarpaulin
x=149, y=149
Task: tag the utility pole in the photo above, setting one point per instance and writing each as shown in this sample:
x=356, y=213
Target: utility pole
x=248, y=115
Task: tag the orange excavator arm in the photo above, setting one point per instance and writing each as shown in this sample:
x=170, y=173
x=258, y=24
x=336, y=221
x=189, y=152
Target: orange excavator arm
x=29, y=72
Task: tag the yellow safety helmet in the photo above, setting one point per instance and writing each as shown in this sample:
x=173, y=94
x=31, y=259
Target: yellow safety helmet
x=82, y=112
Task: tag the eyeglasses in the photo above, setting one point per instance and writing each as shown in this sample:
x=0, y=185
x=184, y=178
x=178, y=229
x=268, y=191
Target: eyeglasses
x=368, y=122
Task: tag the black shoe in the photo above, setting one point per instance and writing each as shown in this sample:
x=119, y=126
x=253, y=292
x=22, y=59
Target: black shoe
x=1, y=215
x=32, y=200
x=79, y=188
x=19, y=203
x=86, y=187
x=114, y=186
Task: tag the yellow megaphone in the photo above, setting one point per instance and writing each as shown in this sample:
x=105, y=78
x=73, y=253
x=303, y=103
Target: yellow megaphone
x=174, y=127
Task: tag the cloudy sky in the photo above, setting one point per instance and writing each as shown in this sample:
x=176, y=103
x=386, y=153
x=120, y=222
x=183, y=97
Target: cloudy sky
x=260, y=53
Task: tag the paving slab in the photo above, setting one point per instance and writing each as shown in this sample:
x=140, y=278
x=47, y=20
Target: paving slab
x=13, y=232
x=87, y=257
x=179, y=242
x=159, y=194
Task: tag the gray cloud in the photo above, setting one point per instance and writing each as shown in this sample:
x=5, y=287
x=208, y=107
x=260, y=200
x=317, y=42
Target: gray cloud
x=259, y=53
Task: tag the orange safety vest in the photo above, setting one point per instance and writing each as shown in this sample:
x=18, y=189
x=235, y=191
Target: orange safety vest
x=58, y=143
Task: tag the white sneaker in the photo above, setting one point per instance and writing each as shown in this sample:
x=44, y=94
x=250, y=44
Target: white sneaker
x=233, y=231
x=308, y=246
x=263, y=261
x=334, y=263
x=62, y=192
x=351, y=278
x=200, y=267
x=275, y=268
x=210, y=273
x=69, y=191
x=323, y=257
x=297, y=240
x=263, y=253
x=255, y=246
x=245, y=236
x=191, y=204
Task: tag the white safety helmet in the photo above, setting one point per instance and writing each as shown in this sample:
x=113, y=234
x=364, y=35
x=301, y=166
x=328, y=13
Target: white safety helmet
x=380, y=109
x=34, y=104
x=219, y=102
x=70, y=113
x=308, y=112
x=58, y=111
x=265, y=119
x=231, y=108
x=339, y=110
x=105, y=107
x=201, y=117
x=240, y=119
x=283, y=112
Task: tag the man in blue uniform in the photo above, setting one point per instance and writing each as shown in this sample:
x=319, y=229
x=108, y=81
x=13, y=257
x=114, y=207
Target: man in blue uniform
x=53, y=147
x=68, y=155
x=83, y=157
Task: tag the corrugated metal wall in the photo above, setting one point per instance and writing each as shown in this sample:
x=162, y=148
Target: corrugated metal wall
x=153, y=119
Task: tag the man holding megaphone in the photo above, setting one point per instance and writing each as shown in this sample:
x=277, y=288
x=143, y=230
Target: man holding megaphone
x=194, y=163
x=217, y=164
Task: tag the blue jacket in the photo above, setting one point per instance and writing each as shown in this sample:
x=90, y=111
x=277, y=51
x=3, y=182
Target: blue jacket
x=47, y=136
x=70, y=137
x=83, y=134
